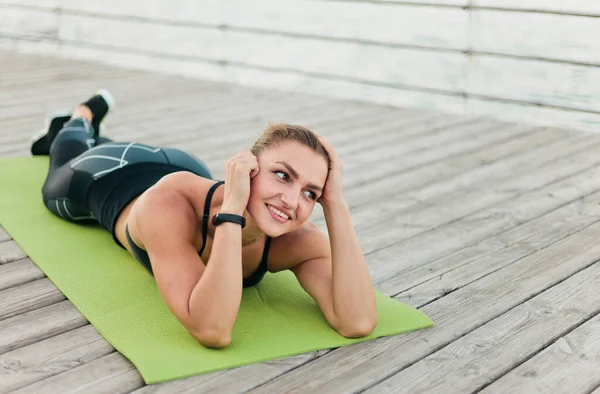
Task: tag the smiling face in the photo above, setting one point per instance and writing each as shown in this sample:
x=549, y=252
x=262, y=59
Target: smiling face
x=284, y=192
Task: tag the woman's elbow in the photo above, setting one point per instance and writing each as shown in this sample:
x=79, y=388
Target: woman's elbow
x=359, y=329
x=211, y=338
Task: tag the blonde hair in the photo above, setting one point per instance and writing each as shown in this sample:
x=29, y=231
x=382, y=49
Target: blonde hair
x=277, y=134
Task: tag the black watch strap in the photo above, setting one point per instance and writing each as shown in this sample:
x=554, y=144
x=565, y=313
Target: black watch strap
x=228, y=217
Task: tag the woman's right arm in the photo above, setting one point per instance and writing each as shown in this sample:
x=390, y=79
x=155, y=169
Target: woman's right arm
x=205, y=299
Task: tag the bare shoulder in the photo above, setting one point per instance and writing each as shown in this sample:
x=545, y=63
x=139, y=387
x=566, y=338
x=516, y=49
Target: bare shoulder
x=179, y=186
x=307, y=242
x=170, y=207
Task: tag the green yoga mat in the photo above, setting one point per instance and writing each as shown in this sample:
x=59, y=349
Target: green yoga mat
x=112, y=290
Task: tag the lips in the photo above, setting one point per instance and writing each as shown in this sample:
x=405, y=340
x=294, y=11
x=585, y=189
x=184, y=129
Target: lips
x=276, y=213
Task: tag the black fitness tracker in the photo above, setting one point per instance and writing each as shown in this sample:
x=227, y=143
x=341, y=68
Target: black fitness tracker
x=228, y=217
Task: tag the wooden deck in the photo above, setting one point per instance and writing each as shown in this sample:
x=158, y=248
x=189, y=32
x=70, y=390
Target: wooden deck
x=490, y=228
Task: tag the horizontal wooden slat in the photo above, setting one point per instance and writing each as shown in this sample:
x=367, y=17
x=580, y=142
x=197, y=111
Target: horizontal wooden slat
x=554, y=84
x=27, y=297
x=447, y=274
x=52, y=356
x=390, y=274
x=42, y=4
x=111, y=374
x=537, y=35
x=18, y=273
x=37, y=325
x=10, y=251
x=532, y=114
x=569, y=365
x=568, y=6
x=459, y=3
x=43, y=24
x=4, y=236
x=507, y=340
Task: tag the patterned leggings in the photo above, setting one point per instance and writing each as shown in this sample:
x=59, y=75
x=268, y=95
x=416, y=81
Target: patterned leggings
x=77, y=160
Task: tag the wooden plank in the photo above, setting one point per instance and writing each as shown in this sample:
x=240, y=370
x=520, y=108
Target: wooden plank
x=4, y=236
x=393, y=182
x=493, y=349
x=425, y=187
x=237, y=119
x=445, y=70
x=19, y=273
x=30, y=22
x=10, y=251
x=571, y=6
x=48, y=4
x=569, y=365
x=388, y=274
x=535, y=35
x=25, y=77
x=437, y=278
x=496, y=161
x=77, y=84
x=531, y=114
x=115, y=374
x=573, y=86
x=35, y=362
x=33, y=75
x=353, y=368
x=40, y=324
x=76, y=89
x=231, y=381
x=463, y=140
x=28, y=297
x=387, y=23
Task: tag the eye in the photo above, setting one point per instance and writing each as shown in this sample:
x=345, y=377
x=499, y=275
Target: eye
x=311, y=195
x=282, y=175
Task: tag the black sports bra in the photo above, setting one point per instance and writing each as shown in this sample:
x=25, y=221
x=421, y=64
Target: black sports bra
x=142, y=256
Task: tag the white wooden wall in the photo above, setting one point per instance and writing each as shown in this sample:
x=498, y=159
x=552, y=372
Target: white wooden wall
x=530, y=60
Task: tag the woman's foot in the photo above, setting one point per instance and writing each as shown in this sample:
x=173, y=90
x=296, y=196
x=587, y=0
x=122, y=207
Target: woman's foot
x=99, y=106
x=41, y=141
x=94, y=110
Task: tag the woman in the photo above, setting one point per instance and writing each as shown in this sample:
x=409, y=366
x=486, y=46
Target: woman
x=204, y=242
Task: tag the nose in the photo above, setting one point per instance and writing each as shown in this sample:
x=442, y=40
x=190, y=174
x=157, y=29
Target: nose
x=290, y=198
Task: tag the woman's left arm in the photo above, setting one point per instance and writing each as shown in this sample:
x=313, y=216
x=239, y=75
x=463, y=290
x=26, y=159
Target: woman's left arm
x=352, y=290
x=340, y=284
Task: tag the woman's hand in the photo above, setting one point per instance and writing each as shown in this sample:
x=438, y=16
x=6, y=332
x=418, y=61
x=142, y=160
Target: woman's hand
x=332, y=191
x=239, y=170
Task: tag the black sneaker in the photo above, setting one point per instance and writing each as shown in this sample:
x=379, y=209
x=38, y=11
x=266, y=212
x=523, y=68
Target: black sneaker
x=41, y=141
x=100, y=105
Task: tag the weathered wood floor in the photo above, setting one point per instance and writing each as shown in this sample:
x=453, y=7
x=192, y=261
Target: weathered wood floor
x=490, y=228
